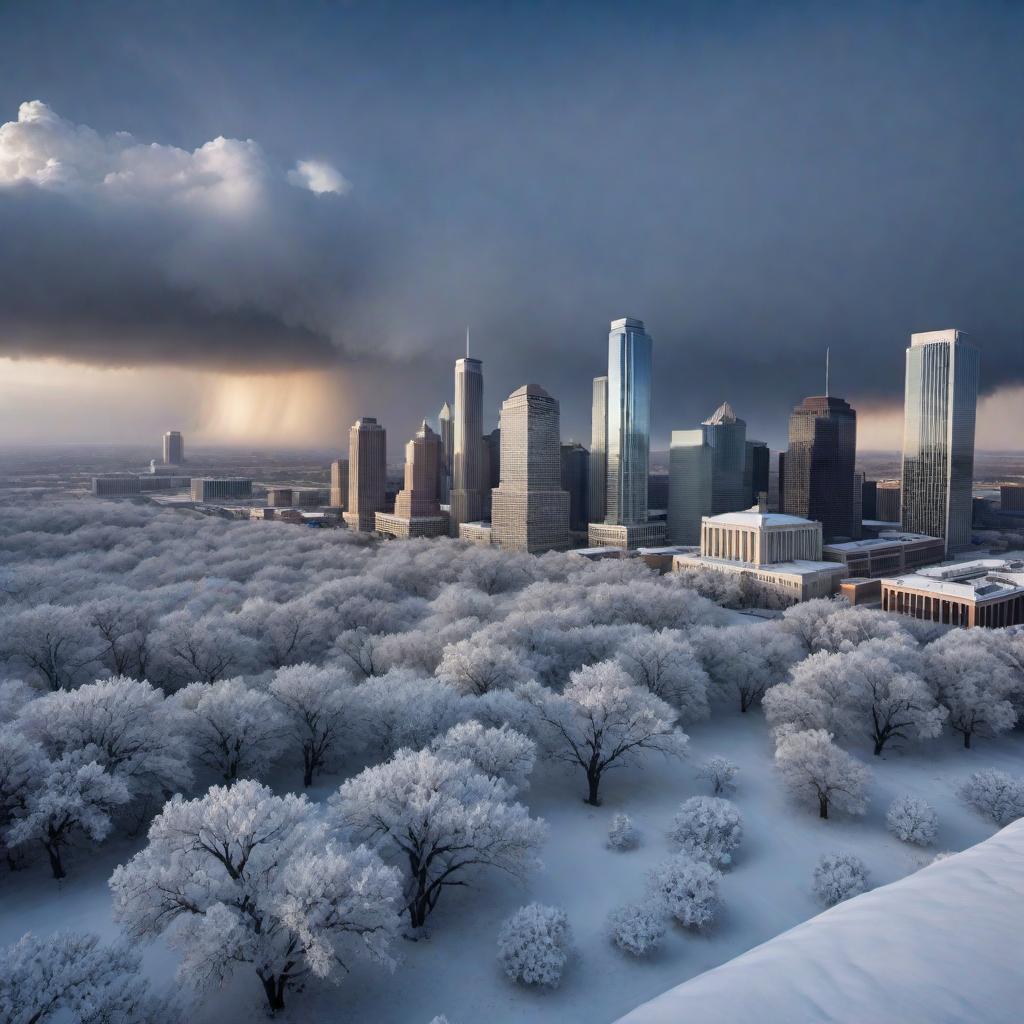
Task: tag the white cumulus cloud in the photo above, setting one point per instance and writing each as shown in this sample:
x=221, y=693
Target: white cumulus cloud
x=318, y=176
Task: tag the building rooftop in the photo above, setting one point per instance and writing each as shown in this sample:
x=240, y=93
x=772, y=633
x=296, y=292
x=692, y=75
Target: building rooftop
x=531, y=391
x=798, y=567
x=754, y=517
x=883, y=540
x=981, y=578
x=723, y=414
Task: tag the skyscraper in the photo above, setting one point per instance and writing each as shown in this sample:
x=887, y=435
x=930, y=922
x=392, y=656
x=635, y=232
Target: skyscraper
x=819, y=464
x=756, y=470
x=706, y=473
x=174, y=448
x=629, y=421
x=530, y=511
x=467, y=444
x=417, y=511
x=367, y=473
x=598, y=504
x=938, y=436
x=446, y=430
x=339, y=484
x=490, y=469
x=575, y=480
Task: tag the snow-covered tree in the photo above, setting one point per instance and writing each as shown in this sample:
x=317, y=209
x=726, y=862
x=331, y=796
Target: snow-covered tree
x=242, y=876
x=439, y=819
x=14, y=695
x=838, y=876
x=708, y=828
x=123, y=625
x=502, y=752
x=68, y=799
x=480, y=664
x=71, y=977
x=22, y=764
x=236, y=730
x=666, y=665
x=405, y=709
x=913, y=820
x=622, y=833
x=316, y=705
x=686, y=888
x=57, y=644
x=720, y=772
x=996, y=794
x=359, y=651
x=974, y=682
x=125, y=726
x=202, y=650
x=637, y=928
x=285, y=634
x=535, y=944
x=603, y=720
x=828, y=624
x=816, y=771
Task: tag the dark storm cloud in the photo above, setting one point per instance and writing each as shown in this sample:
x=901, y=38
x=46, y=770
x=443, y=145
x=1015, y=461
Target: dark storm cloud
x=755, y=181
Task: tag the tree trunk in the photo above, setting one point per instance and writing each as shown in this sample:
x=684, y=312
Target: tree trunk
x=967, y=740
x=307, y=776
x=878, y=747
x=274, y=989
x=56, y=865
x=593, y=781
x=823, y=806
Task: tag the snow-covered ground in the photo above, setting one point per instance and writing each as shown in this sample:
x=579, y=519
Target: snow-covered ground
x=455, y=972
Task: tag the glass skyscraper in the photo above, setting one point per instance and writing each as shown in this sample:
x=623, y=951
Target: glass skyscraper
x=938, y=436
x=629, y=421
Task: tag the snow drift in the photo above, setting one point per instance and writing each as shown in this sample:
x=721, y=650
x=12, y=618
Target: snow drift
x=941, y=945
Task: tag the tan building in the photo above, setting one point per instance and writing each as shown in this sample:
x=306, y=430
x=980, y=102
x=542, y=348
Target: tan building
x=417, y=509
x=339, y=484
x=985, y=592
x=367, y=460
x=475, y=533
x=209, y=489
x=888, y=553
x=627, y=536
x=279, y=497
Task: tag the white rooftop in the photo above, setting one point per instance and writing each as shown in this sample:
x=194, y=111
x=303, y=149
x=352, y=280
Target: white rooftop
x=982, y=578
x=798, y=567
x=883, y=540
x=755, y=518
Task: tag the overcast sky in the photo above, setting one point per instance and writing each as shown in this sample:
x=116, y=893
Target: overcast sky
x=256, y=211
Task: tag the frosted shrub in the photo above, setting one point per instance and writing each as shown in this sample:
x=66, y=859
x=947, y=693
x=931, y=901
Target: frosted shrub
x=637, y=928
x=534, y=945
x=622, y=833
x=708, y=828
x=998, y=795
x=912, y=820
x=839, y=876
x=686, y=888
x=720, y=772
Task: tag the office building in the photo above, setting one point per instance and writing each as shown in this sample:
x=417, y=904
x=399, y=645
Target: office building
x=986, y=592
x=781, y=552
x=174, y=448
x=598, y=503
x=887, y=502
x=209, y=489
x=446, y=431
x=367, y=473
x=122, y=485
x=781, y=482
x=858, y=504
x=279, y=497
x=756, y=473
x=490, y=469
x=868, y=500
x=576, y=481
x=417, y=509
x=1011, y=498
x=819, y=464
x=339, y=484
x=706, y=473
x=938, y=436
x=890, y=552
x=467, y=441
x=530, y=510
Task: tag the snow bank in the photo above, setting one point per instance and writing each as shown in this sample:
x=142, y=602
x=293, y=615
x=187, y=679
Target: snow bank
x=941, y=945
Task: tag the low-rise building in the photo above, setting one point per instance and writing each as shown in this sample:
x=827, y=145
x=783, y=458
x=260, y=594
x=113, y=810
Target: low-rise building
x=889, y=553
x=119, y=486
x=213, y=489
x=598, y=554
x=857, y=590
x=279, y=497
x=627, y=536
x=984, y=592
x=476, y=533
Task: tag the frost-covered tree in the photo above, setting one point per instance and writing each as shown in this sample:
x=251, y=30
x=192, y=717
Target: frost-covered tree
x=996, y=794
x=123, y=625
x=235, y=729
x=478, y=665
x=14, y=695
x=22, y=765
x=603, y=720
x=720, y=772
x=912, y=820
x=829, y=624
x=359, y=651
x=285, y=634
x=440, y=820
x=71, y=977
x=57, y=644
x=203, y=650
x=501, y=752
x=708, y=828
x=69, y=799
x=838, y=876
x=666, y=665
x=637, y=928
x=686, y=888
x=405, y=709
x=316, y=706
x=816, y=771
x=124, y=725
x=622, y=833
x=535, y=944
x=974, y=682
x=240, y=876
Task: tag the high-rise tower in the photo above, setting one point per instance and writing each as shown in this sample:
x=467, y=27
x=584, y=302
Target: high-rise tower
x=530, y=511
x=938, y=436
x=446, y=431
x=367, y=473
x=575, y=480
x=598, y=504
x=339, y=484
x=467, y=443
x=174, y=448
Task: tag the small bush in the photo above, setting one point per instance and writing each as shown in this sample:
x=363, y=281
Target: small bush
x=998, y=795
x=622, y=834
x=686, y=888
x=708, y=828
x=839, y=876
x=720, y=772
x=912, y=820
x=534, y=945
x=637, y=928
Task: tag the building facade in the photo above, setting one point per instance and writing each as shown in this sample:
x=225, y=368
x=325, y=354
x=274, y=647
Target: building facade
x=887, y=502
x=598, y=503
x=417, y=509
x=938, y=436
x=174, y=448
x=756, y=471
x=1011, y=498
x=367, y=473
x=819, y=464
x=868, y=500
x=530, y=510
x=339, y=484
x=576, y=481
x=889, y=553
x=211, y=489
x=467, y=441
x=446, y=431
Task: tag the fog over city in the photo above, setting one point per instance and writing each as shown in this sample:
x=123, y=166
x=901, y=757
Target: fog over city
x=255, y=226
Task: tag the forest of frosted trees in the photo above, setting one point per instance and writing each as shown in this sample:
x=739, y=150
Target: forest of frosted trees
x=186, y=680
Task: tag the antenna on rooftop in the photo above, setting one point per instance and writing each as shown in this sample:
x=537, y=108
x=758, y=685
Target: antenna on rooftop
x=467, y=341
x=827, y=350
